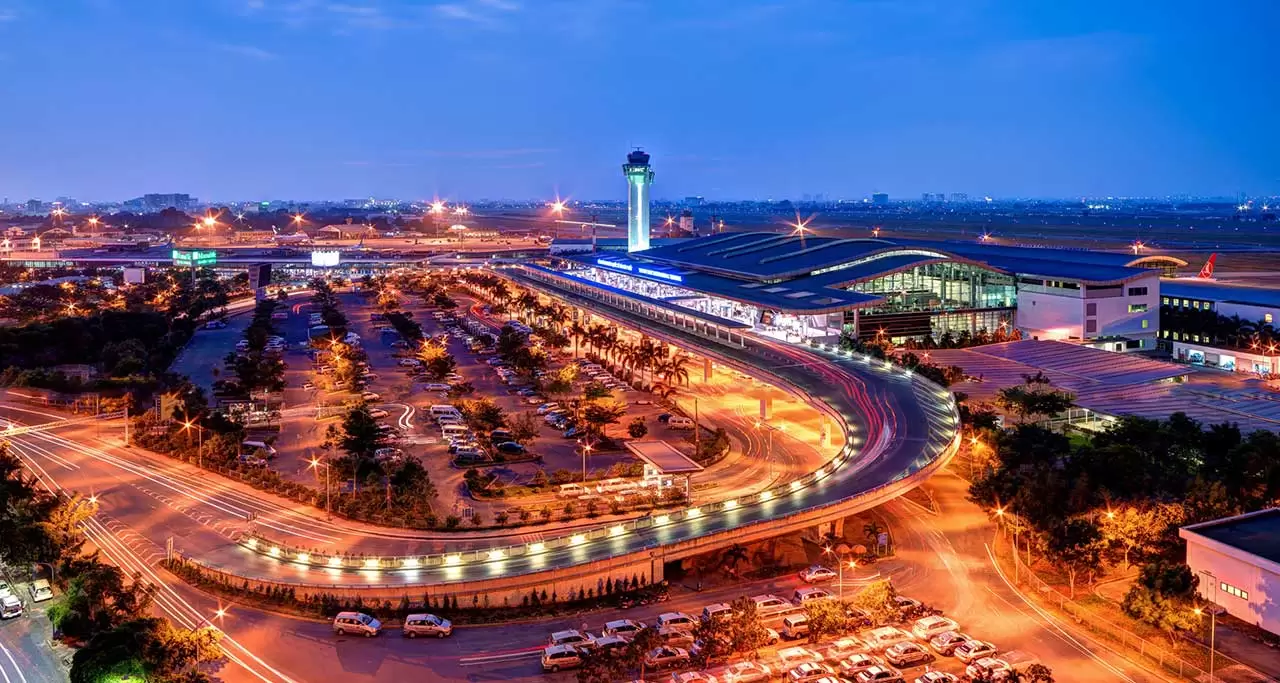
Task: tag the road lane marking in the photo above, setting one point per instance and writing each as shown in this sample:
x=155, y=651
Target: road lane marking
x=17, y=669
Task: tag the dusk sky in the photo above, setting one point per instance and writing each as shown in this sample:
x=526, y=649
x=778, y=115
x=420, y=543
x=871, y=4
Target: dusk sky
x=470, y=99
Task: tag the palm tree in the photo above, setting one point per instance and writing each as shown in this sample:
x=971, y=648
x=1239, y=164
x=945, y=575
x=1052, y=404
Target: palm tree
x=578, y=334
x=664, y=391
x=872, y=531
x=676, y=369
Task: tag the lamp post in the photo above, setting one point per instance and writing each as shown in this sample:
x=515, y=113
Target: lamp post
x=316, y=463
x=853, y=564
x=1016, y=528
x=186, y=426
x=586, y=449
x=1213, y=622
x=769, y=443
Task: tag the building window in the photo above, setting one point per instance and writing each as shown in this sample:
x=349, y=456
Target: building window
x=1266, y=318
x=1091, y=327
x=1091, y=309
x=1228, y=588
x=1195, y=305
x=1164, y=300
x=1137, y=291
x=1146, y=324
x=1137, y=308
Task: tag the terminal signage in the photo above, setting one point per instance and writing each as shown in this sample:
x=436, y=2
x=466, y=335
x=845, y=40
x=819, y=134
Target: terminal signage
x=324, y=259
x=194, y=258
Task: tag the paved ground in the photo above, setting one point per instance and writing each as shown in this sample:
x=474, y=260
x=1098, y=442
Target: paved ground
x=25, y=653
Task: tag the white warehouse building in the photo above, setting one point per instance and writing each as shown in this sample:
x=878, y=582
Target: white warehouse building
x=1238, y=562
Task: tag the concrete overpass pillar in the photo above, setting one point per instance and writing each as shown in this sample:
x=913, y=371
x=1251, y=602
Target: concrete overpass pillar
x=766, y=407
x=835, y=528
x=707, y=369
x=824, y=436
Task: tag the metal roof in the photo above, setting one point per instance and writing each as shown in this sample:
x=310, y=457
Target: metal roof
x=1206, y=290
x=663, y=456
x=804, y=296
x=768, y=255
x=675, y=308
x=1256, y=533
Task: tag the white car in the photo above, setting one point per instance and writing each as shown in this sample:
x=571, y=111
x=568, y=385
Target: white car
x=973, y=650
x=928, y=627
x=693, y=677
x=818, y=573
x=746, y=672
x=371, y=396
x=623, y=628
x=426, y=625
x=378, y=413
x=843, y=648
x=937, y=677
x=791, y=657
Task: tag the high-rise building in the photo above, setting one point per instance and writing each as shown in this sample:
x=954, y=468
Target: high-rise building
x=880, y=199
x=639, y=178
x=686, y=221
x=694, y=200
x=959, y=197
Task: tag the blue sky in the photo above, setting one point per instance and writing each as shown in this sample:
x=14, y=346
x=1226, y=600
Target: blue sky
x=244, y=99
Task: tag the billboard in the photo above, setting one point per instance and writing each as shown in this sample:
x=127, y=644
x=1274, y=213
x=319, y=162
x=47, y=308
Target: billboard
x=324, y=259
x=194, y=258
x=259, y=276
x=135, y=276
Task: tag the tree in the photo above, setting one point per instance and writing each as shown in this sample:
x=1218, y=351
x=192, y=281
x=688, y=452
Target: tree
x=63, y=526
x=23, y=508
x=826, y=617
x=524, y=427
x=149, y=649
x=1165, y=597
x=877, y=600
x=746, y=633
x=637, y=428
x=598, y=415
x=482, y=415
x=1075, y=546
x=712, y=637
x=360, y=436
x=99, y=599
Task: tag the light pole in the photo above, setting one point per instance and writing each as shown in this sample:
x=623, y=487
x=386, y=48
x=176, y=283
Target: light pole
x=218, y=614
x=853, y=564
x=1016, y=528
x=1213, y=622
x=199, y=441
x=769, y=448
x=586, y=449
x=328, y=509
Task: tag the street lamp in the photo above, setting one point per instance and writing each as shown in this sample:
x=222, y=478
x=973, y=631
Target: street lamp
x=186, y=426
x=1213, y=621
x=316, y=463
x=853, y=564
x=586, y=449
x=768, y=457
x=1000, y=513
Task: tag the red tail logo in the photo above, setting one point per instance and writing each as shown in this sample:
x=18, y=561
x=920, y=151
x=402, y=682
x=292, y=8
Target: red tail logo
x=1206, y=273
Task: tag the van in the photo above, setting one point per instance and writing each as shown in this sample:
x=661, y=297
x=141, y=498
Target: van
x=772, y=606
x=426, y=625
x=454, y=430
x=795, y=626
x=809, y=594
x=679, y=422
x=677, y=620
x=559, y=657
x=717, y=612
x=356, y=624
x=446, y=409
x=500, y=436
x=675, y=637
x=249, y=447
x=571, y=490
x=445, y=420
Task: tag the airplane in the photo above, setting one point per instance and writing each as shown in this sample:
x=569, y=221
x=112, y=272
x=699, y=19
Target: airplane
x=1206, y=273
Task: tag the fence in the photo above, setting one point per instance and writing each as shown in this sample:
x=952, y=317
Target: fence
x=1151, y=651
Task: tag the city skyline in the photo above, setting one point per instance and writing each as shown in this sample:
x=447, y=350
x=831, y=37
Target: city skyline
x=252, y=99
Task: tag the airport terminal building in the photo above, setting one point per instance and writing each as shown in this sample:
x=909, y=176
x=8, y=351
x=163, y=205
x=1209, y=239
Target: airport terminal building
x=797, y=287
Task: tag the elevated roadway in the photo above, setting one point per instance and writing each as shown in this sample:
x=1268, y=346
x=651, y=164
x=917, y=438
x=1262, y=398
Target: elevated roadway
x=900, y=429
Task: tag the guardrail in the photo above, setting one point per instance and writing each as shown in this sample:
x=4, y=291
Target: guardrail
x=915, y=473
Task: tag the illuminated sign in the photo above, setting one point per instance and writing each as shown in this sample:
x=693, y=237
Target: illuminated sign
x=615, y=266
x=194, y=258
x=324, y=259
x=661, y=275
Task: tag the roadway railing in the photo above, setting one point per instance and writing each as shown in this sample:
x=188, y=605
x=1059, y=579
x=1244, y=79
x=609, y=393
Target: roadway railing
x=920, y=468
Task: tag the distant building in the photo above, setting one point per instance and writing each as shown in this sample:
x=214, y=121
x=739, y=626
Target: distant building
x=694, y=201
x=880, y=199
x=926, y=197
x=959, y=197
x=160, y=202
x=1238, y=562
x=686, y=221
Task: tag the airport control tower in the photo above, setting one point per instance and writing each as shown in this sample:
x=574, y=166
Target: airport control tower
x=639, y=178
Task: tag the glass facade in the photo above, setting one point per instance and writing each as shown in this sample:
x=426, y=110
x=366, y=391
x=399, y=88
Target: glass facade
x=946, y=286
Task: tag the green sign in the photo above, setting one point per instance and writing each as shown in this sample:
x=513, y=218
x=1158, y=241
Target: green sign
x=194, y=258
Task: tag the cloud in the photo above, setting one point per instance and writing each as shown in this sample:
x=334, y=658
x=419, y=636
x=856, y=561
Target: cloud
x=478, y=12
x=340, y=17
x=488, y=153
x=248, y=51
x=8, y=14
x=508, y=167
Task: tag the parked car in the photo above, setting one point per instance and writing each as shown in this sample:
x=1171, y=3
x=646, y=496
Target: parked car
x=625, y=628
x=879, y=674
x=973, y=650
x=510, y=448
x=426, y=625
x=356, y=623
x=809, y=594
x=746, y=672
x=928, y=627
x=817, y=574
x=665, y=657
x=843, y=648
x=559, y=657
x=907, y=654
x=947, y=642
x=678, y=620
x=791, y=657
x=857, y=662
x=572, y=637
x=937, y=677
x=809, y=671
